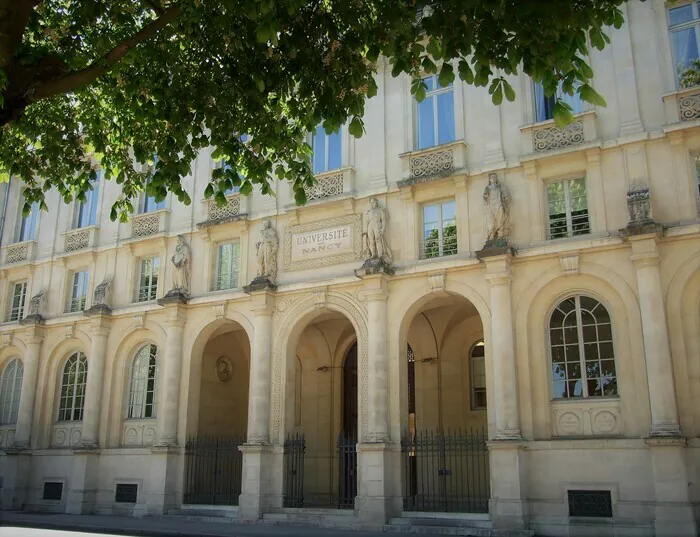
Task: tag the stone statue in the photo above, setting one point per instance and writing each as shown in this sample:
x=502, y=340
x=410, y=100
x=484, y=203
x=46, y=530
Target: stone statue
x=223, y=369
x=639, y=204
x=376, y=246
x=497, y=204
x=267, y=252
x=181, y=262
x=35, y=305
x=101, y=294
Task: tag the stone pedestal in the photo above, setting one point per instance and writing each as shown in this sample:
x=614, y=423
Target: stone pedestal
x=374, y=265
x=84, y=481
x=15, y=479
x=163, y=482
x=262, y=487
x=260, y=283
x=509, y=510
x=378, y=485
x=174, y=296
x=674, y=514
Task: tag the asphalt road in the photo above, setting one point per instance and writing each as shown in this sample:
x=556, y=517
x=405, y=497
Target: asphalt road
x=36, y=532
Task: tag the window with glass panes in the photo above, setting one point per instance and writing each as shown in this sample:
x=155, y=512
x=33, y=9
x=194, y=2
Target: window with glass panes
x=86, y=211
x=73, y=383
x=684, y=30
x=439, y=230
x=17, y=301
x=544, y=106
x=227, y=264
x=148, y=203
x=142, y=387
x=78, y=291
x=478, y=376
x=10, y=391
x=567, y=208
x=581, y=349
x=148, y=279
x=435, y=121
x=327, y=150
x=28, y=224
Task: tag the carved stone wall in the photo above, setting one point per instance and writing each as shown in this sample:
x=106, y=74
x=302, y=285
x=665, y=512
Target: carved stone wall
x=139, y=433
x=17, y=252
x=77, y=240
x=326, y=187
x=144, y=225
x=288, y=313
x=229, y=210
x=66, y=435
x=432, y=163
x=587, y=418
x=552, y=137
x=689, y=106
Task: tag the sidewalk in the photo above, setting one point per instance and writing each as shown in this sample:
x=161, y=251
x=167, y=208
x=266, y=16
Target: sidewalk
x=165, y=527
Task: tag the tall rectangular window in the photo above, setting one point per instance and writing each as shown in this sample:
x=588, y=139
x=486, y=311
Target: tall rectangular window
x=17, y=301
x=439, y=230
x=478, y=376
x=436, y=115
x=327, y=150
x=684, y=30
x=86, y=212
x=227, y=266
x=78, y=291
x=544, y=106
x=148, y=203
x=568, y=208
x=28, y=224
x=148, y=279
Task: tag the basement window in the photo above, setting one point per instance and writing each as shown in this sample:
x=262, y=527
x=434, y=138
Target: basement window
x=590, y=503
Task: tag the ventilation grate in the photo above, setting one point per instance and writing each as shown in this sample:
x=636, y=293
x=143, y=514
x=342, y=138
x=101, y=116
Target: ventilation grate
x=126, y=493
x=590, y=503
x=53, y=490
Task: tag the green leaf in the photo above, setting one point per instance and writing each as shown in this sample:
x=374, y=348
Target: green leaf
x=590, y=95
x=356, y=127
x=562, y=114
x=465, y=72
x=447, y=75
x=209, y=191
x=509, y=91
x=497, y=97
x=433, y=48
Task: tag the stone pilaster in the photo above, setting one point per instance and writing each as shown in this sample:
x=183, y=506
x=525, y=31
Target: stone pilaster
x=172, y=370
x=99, y=330
x=263, y=486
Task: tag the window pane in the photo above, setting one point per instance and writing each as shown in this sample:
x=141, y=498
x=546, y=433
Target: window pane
x=544, y=106
x=426, y=123
x=680, y=14
x=94, y=197
x=685, y=47
x=319, y=147
x=430, y=214
x=446, y=117
x=430, y=82
x=334, y=151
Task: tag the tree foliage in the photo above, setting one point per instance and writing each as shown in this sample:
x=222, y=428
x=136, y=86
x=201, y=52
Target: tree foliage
x=112, y=83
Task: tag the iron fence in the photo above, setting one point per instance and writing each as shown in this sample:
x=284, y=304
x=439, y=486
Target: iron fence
x=446, y=471
x=213, y=470
x=320, y=477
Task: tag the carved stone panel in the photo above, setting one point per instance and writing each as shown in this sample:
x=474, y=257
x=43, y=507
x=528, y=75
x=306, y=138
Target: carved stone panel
x=587, y=418
x=319, y=244
x=67, y=435
x=552, y=137
x=138, y=433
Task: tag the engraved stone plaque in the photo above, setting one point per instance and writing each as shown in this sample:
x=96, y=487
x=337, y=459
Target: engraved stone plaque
x=319, y=244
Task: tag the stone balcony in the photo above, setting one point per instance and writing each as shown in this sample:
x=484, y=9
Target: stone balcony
x=233, y=210
x=80, y=239
x=546, y=137
x=682, y=105
x=147, y=224
x=18, y=252
x=430, y=164
x=331, y=184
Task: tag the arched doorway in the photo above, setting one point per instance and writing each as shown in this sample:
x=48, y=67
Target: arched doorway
x=218, y=416
x=320, y=449
x=445, y=458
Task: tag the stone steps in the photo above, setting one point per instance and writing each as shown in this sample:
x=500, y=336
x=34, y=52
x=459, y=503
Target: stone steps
x=322, y=518
x=476, y=527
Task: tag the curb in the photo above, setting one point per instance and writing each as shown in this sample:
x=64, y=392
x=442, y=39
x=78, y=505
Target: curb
x=86, y=528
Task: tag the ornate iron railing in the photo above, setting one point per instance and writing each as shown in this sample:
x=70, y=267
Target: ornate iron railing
x=213, y=470
x=446, y=471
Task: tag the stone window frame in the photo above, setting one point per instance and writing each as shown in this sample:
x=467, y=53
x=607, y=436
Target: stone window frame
x=421, y=243
x=61, y=384
x=433, y=94
x=669, y=30
x=70, y=299
x=11, y=406
x=582, y=359
x=10, y=300
x=472, y=386
x=569, y=222
x=130, y=383
x=217, y=258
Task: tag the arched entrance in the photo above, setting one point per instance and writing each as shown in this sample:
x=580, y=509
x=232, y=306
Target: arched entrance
x=218, y=417
x=320, y=450
x=445, y=462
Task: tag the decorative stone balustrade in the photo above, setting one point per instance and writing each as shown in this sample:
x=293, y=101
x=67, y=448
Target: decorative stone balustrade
x=426, y=165
x=67, y=435
x=139, y=432
x=331, y=184
x=231, y=209
x=78, y=239
x=18, y=252
x=143, y=225
x=587, y=418
x=545, y=136
x=682, y=105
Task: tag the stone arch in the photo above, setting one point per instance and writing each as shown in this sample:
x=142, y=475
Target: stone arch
x=532, y=344
x=683, y=319
x=192, y=365
x=296, y=319
x=9, y=352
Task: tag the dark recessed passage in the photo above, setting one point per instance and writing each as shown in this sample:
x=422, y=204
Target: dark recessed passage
x=590, y=503
x=53, y=490
x=126, y=493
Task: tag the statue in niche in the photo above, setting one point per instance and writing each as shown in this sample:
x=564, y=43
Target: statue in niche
x=223, y=369
x=376, y=246
x=267, y=252
x=181, y=262
x=497, y=204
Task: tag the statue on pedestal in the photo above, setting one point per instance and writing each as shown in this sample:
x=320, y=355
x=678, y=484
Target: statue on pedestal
x=376, y=249
x=266, y=255
x=497, y=204
x=181, y=263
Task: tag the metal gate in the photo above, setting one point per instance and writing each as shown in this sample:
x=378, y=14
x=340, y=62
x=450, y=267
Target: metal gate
x=213, y=470
x=320, y=478
x=446, y=471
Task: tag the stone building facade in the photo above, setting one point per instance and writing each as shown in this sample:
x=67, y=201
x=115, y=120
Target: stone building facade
x=372, y=352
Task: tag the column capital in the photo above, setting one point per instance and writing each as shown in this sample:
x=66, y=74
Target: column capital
x=263, y=302
x=33, y=333
x=375, y=287
x=176, y=315
x=498, y=268
x=100, y=325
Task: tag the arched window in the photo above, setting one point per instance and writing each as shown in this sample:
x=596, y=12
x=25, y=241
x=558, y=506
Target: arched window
x=142, y=387
x=73, y=388
x=581, y=349
x=478, y=376
x=10, y=389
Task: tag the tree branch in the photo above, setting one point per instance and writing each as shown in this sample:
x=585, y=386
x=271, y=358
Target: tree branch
x=78, y=79
x=153, y=4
